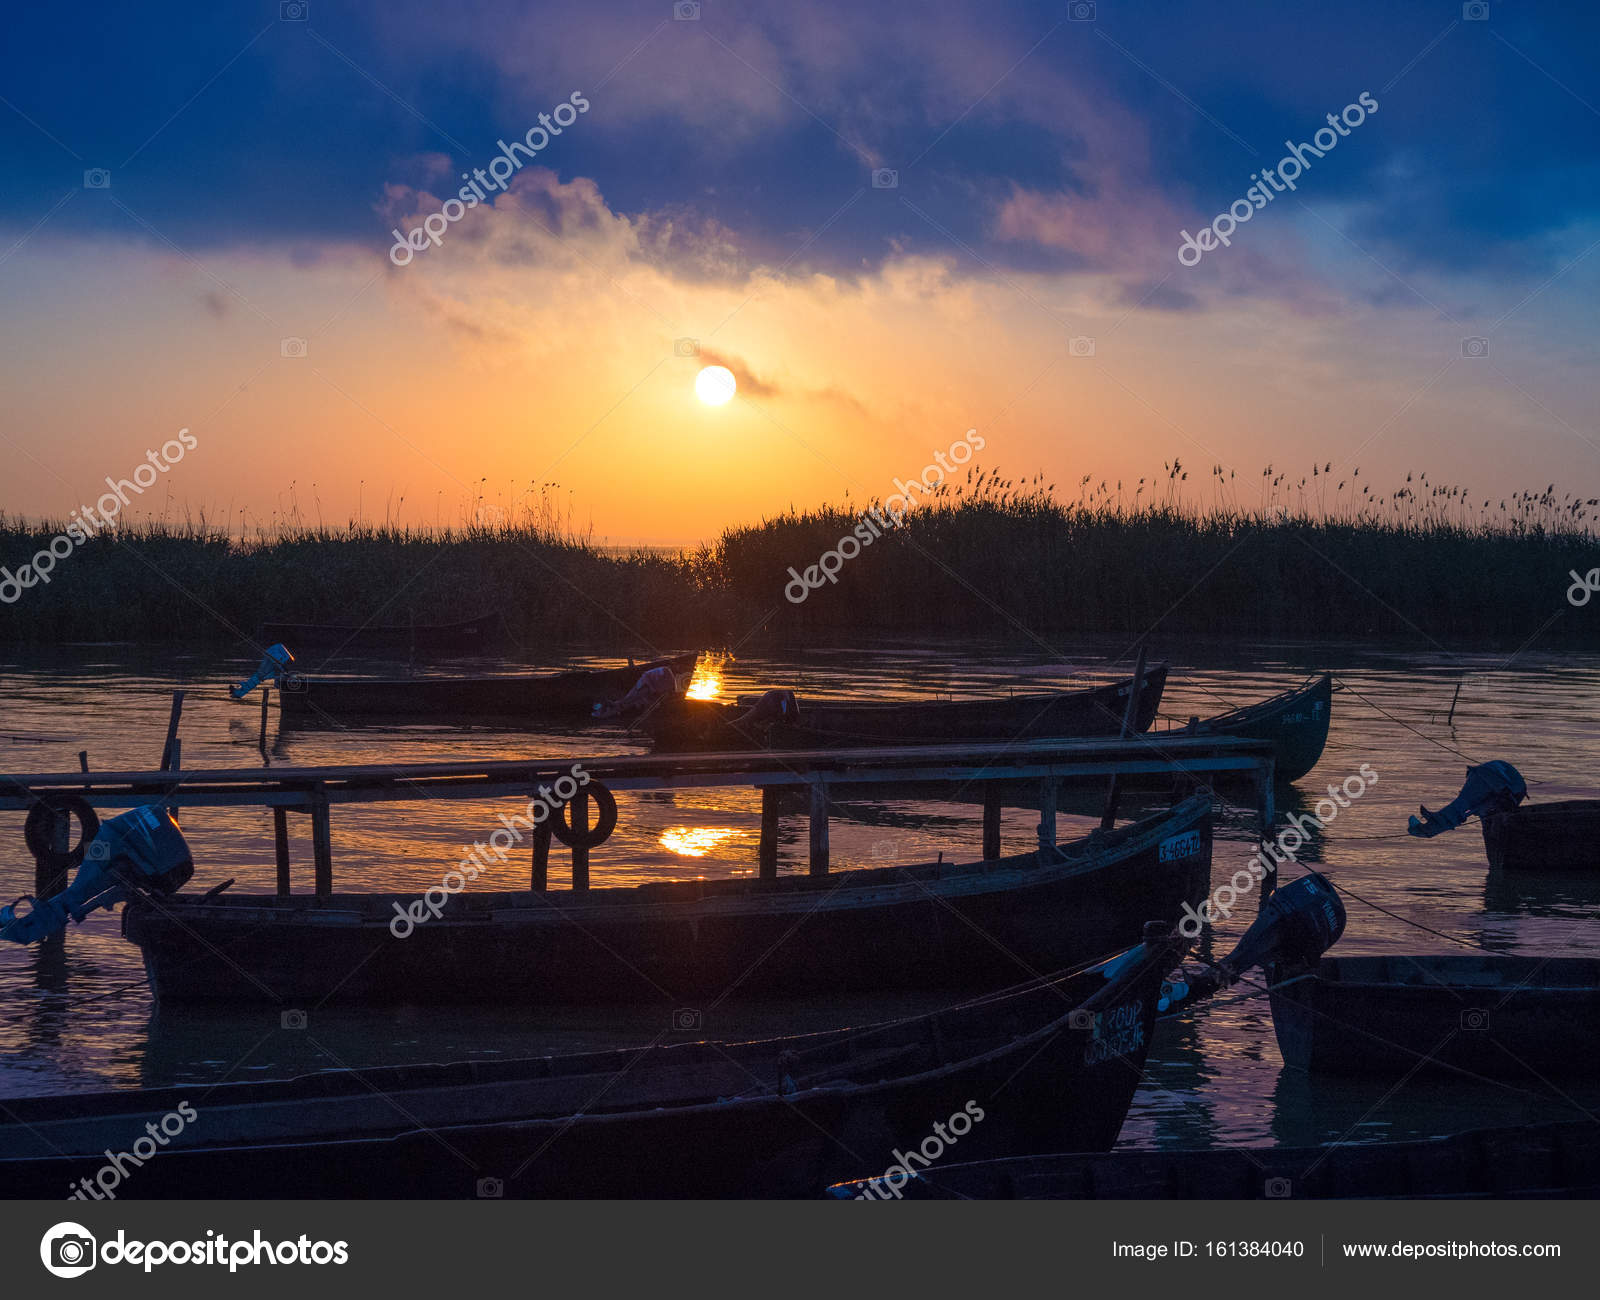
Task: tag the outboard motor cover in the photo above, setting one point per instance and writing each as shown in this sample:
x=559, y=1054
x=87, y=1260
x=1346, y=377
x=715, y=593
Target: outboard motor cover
x=1294, y=927
x=147, y=845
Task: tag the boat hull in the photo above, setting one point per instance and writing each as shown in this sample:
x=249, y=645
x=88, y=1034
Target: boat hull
x=526, y=697
x=1054, y=1064
x=1491, y=1016
x=1097, y=711
x=1541, y=1161
x=1561, y=836
x=938, y=925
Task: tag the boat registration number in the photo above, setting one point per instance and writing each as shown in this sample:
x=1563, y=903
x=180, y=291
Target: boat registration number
x=1179, y=846
x=1117, y=1033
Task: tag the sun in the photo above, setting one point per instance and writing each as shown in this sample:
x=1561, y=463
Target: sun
x=715, y=385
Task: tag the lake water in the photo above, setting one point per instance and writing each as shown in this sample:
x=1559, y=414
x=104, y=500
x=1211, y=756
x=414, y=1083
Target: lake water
x=76, y=1016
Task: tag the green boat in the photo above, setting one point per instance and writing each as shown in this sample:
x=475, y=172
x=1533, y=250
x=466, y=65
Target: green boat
x=1296, y=722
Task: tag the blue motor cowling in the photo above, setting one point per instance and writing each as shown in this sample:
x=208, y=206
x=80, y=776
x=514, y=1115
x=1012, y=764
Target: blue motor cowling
x=139, y=852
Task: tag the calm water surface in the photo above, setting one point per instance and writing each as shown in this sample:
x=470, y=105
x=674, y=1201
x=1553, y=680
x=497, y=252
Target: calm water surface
x=78, y=1017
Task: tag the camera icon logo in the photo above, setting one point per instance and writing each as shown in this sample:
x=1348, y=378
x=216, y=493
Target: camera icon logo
x=1279, y=1189
x=1475, y=11
x=68, y=1250
x=686, y=11
x=97, y=178
x=687, y=1020
x=1081, y=347
x=292, y=347
x=293, y=1020
x=1475, y=347
x=490, y=1189
x=293, y=11
x=1080, y=1019
x=1081, y=11
x=686, y=347
x=885, y=178
x=292, y=683
x=1475, y=1018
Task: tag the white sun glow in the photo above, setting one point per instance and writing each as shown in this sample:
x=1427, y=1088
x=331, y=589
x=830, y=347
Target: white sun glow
x=715, y=385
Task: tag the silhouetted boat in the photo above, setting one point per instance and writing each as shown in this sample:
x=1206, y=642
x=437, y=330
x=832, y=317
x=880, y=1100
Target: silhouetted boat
x=469, y=636
x=1491, y=1015
x=1054, y=1063
x=934, y=925
x=1538, y=1161
x=1296, y=722
x=828, y=724
x=1558, y=836
x=524, y=697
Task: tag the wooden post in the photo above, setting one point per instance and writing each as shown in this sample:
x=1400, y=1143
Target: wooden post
x=767, y=854
x=1048, y=787
x=261, y=740
x=819, y=829
x=321, y=843
x=280, y=845
x=175, y=755
x=541, y=857
x=1266, y=817
x=83, y=764
x=47, y=881
x=580, y=852
x=991, y=821
x=172, y=729
x=1130, y=718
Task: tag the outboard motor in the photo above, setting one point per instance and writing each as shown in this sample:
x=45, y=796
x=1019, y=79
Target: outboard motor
x=652, y=687
x=272, y=665
x=1295, y=926
x=139, y=852
x=1491, y=787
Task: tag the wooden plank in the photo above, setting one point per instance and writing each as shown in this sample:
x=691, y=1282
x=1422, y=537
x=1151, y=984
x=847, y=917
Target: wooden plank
x=580, y=853
x=280, y=847
x=322, y=846
x=819, y=829
x=172, y=730
x=767, y=853
x=1108, y=814
x=541, y=857
x=991, y=821
x=1049, y=790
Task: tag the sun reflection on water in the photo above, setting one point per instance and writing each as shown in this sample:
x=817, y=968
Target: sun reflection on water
x=706, y=684
x=696, y=841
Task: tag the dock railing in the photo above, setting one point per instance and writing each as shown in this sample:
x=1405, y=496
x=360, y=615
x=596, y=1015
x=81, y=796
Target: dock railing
x=993, y=769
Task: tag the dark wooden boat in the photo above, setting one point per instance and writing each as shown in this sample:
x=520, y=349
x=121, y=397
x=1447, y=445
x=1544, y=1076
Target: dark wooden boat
x=934, y=925
x=1053, y=1063
x=1559, y=836
x=525, y=697
x=469, y=636
x=831, y=724
x=1296, y=722
x=1539, y=1161
x=1491, y=1015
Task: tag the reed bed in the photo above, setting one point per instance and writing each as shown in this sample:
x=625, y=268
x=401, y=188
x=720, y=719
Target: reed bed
x=1313, y=556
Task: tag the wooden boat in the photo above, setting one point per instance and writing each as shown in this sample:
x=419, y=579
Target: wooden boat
x=1537, y=1161
x=525, y=697
x=1053, y=1063
x=1491, y=1015
x=830, y=724
x=1296, y=722
x=1558, y=836
x=469, y=636
x=931, y=925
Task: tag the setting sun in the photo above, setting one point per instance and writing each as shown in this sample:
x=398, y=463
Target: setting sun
x=715, y=385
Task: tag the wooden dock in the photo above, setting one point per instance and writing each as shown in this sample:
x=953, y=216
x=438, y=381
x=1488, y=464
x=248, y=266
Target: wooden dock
x=822, y=775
